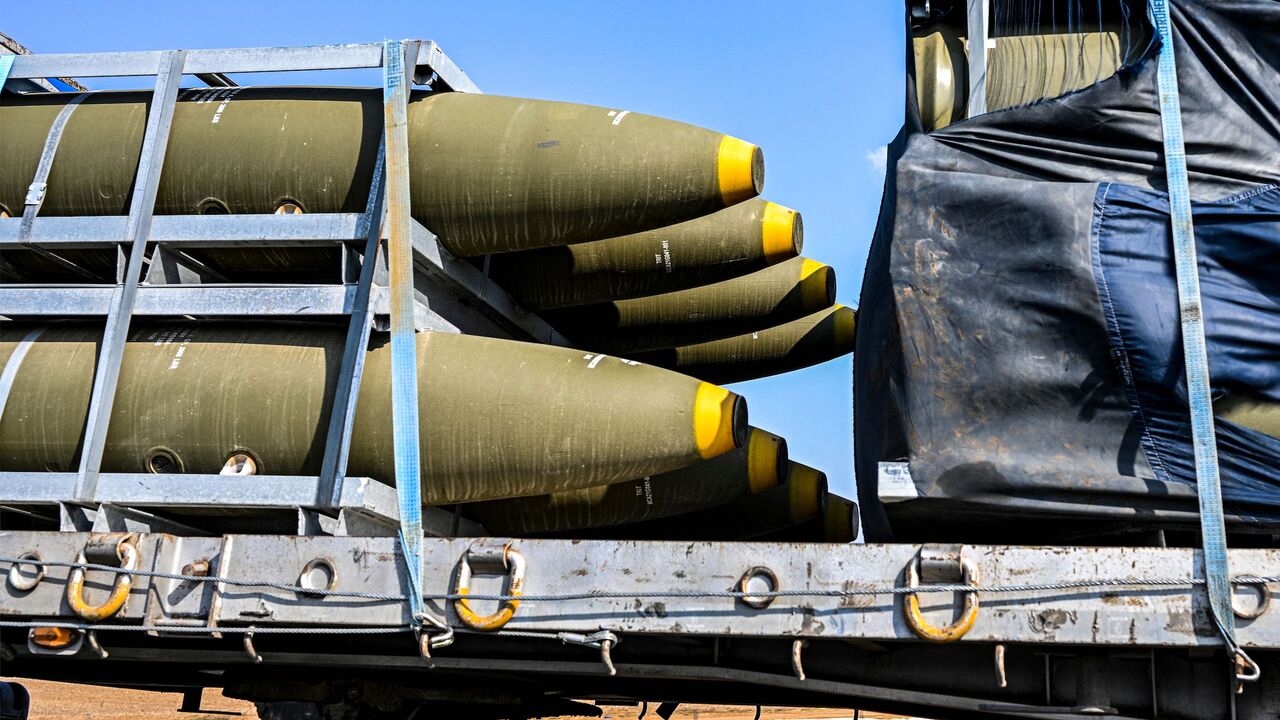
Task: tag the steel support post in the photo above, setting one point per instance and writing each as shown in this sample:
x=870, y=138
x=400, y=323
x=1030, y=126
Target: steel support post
x=337, y=447
x=146, y=185
x=6, y=64
x=979, y=21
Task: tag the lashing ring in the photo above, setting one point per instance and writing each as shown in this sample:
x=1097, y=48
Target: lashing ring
x=128, y=554
x=28, y=580
x=1264, y=601
x=759, y=572
x=515, y=564
x=957, y=629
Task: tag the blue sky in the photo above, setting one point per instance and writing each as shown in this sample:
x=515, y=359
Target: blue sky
x=818, y=85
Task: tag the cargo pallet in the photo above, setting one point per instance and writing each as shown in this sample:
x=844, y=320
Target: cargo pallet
x=302, y=601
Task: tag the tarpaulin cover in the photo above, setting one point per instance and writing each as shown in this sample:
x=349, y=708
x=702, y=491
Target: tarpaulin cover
x=1019, y=373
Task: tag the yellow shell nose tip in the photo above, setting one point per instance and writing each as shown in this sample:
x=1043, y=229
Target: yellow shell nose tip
x=719, y=420
x=837, y=520
x=782, y=233
x=845, y=328
x=766, y=455
x=739, y=169
x=817, y=285
x=807, y=490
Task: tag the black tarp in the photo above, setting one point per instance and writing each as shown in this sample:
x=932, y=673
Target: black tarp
x=1018, y=367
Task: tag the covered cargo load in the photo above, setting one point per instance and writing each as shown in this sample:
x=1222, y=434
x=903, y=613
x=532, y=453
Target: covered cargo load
x=1019, y=376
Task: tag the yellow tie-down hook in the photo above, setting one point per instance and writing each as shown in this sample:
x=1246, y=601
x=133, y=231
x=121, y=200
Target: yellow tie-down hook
x=127, y=553
x=957, y=629
x=514, y=562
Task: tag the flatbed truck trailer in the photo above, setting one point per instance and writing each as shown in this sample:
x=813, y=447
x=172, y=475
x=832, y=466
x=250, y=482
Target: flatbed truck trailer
x=298, y=592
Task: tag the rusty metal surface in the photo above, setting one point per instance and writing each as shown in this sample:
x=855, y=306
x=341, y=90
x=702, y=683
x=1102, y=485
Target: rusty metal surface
x=704, y=572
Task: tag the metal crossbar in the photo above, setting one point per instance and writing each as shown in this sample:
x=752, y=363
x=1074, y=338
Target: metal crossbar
x=430, y=60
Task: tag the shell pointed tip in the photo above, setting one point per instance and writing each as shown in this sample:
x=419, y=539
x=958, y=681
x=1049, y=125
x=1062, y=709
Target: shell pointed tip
x=719, y=420
x=766, y=460
x=782, y=233
x=818, y=285
x=740, y=170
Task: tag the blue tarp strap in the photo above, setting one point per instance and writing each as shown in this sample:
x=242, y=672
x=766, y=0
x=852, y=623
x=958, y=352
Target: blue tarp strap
x=1208, y=485
x=404, y=356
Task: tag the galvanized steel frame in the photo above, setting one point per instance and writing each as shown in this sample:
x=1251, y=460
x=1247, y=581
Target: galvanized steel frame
x=427, y=262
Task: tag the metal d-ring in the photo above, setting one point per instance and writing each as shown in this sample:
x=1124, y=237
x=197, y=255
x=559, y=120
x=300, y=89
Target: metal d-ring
x=957, y=629
x=515, y=564
x=127, y=552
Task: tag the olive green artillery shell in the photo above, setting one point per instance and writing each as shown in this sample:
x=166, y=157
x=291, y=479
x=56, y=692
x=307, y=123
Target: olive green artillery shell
x=940, y=91
x=1021, y=69
x=838, y=524
x=734, y=241
x=755, y=467
x=1252, y=412
x=800, y=498
x=816, y=338
x=488, y=173
x=500, y=174
x=764, y=298
x=498, y=418
x=840, y=521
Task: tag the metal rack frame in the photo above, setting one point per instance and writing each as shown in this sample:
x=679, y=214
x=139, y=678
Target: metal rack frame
x=433, y=289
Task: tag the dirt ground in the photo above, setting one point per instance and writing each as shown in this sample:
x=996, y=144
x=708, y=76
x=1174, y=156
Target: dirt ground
x=60, y=701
